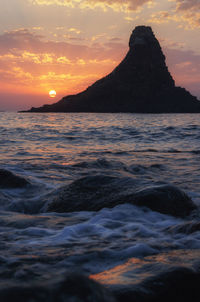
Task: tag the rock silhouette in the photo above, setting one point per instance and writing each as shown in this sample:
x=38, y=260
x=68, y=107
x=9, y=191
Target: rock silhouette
x=141, y=83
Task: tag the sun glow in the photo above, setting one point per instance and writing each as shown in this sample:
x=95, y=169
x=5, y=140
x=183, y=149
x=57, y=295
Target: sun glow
x=52, y=93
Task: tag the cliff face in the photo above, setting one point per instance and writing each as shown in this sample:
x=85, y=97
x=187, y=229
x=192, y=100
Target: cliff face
x=140, y=83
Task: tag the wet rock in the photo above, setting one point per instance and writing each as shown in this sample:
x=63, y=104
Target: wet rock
x=10, y=180
x=166, y=199
x=90, y=193
x=140, y=83
x=171, y=276
x=178, y=284
x=74, y=288
x=25, y=294
x=79, y=288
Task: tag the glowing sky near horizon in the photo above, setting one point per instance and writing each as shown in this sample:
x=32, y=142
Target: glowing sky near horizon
x=68, y=44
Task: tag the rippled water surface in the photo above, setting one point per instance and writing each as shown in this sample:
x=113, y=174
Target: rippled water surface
x=53, y=150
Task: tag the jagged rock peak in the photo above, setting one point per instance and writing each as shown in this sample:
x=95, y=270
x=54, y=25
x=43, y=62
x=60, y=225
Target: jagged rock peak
x=141, y=35
x=145, y=46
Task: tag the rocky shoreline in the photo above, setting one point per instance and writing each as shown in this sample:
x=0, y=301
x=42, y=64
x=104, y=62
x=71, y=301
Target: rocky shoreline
x=160, y=277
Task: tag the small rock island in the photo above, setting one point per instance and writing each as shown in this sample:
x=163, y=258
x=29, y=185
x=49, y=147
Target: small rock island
x=141, y=83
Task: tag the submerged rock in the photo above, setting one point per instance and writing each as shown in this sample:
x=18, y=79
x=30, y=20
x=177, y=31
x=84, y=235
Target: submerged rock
x=140, y=83
x=10, y=180
x=92, y=193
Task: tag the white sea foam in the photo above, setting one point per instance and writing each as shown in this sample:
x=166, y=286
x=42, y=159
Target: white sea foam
x=113, y=234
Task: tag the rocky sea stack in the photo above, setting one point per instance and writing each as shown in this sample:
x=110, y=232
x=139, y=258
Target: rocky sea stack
x=141, y=83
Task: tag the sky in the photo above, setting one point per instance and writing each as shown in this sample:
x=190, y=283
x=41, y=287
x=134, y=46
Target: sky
x=66, y=45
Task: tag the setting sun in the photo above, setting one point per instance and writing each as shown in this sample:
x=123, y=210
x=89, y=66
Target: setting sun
x=52, y=93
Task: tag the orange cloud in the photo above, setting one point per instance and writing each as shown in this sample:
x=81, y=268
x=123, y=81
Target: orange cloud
x=117, y=5
x=160, y=17
x=38, y=64
x=187, y=4
x=188, y=12
x=186, y=20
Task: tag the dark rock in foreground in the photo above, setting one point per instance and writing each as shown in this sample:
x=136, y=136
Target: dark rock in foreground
x=92, y=193
x=141, y=83
x=166, y=199
x=74, y=288
x=10, y=180
x=178, y=284
x=172, y=276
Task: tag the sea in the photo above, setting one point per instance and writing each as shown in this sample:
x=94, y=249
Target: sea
x=119, y=245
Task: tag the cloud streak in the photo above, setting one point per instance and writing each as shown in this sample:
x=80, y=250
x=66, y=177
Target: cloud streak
x=184, y=12
x=40, y=64
x=187, y=11
x=117, y=5
x=183, y=5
